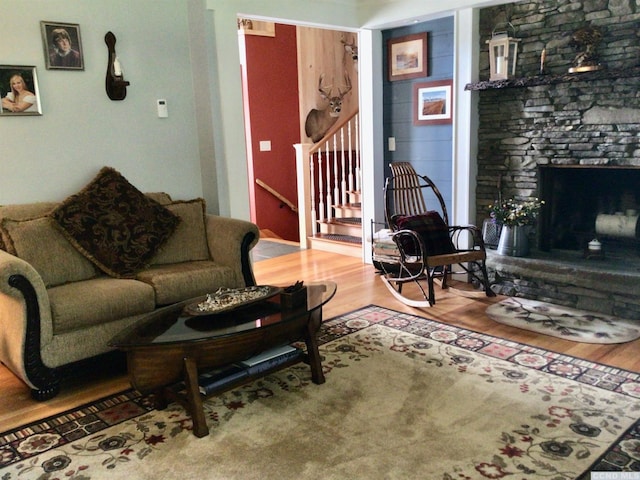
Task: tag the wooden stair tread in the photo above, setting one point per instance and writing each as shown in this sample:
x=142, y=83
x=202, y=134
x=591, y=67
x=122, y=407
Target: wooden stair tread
x=343, y=221
x=348, y=239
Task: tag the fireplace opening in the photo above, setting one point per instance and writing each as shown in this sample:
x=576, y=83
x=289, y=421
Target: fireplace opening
x=587, y=202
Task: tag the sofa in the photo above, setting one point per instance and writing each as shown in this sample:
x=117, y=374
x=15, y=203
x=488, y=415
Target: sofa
x=62, y=298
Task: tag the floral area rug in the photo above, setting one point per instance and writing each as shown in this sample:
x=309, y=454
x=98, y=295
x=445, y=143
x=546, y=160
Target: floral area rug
x=405, y=397
x=563, y=322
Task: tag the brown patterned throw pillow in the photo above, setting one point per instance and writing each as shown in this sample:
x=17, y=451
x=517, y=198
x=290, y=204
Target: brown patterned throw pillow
x=115, y=225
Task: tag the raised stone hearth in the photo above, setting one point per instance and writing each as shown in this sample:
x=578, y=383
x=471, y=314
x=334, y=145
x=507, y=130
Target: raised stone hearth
x=610, y=285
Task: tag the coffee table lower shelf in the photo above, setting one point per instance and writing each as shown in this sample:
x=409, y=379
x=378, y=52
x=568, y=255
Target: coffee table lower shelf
x=192, y=399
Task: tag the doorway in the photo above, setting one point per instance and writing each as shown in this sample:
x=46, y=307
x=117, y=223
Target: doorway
x=280, y=66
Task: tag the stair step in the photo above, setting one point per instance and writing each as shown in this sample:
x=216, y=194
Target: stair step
x=340, y=238
x=345, y=221
x=341, y=244
x=351, y=226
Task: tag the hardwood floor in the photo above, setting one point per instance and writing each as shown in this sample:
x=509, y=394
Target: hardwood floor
x=358, y=286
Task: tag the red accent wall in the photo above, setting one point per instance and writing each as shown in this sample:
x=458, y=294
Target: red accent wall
x=272, y=97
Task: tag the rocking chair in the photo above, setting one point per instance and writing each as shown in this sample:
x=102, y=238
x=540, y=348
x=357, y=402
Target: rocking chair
x=426, y=246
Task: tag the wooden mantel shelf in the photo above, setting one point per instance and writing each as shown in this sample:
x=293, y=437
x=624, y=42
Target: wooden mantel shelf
x=553, y=79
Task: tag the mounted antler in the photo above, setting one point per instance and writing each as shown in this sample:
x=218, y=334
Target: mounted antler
x=318, y=122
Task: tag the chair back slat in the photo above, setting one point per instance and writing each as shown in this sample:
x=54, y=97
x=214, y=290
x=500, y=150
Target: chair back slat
x=405, y=193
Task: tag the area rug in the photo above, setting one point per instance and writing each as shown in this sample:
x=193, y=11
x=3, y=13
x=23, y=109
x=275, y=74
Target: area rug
x=563, y=322
x=405, y=398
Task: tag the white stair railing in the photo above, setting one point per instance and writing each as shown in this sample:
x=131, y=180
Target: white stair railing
x=324, y=176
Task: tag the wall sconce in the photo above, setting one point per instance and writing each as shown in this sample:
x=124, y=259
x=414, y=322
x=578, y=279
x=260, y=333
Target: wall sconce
x=115, y=83
x=503, y=52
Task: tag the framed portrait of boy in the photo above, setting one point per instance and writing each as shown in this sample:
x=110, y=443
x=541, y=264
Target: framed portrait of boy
x=19, y=93
x=62, y=46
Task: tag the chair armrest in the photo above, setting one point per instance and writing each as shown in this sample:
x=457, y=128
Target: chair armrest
x=467, y=237
x=25, y=321
x=230, y=241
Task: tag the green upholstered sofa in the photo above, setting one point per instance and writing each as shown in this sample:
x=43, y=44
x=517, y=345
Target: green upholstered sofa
x=57, y=308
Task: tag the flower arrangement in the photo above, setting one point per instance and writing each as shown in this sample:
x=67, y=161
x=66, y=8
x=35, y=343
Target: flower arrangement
x=512, y=213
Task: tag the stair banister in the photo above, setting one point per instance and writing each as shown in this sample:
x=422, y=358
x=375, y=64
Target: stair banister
x=317, y=193
x=306, y=195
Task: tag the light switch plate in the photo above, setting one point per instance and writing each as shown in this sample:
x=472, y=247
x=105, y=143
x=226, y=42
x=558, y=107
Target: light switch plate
x=265, y=145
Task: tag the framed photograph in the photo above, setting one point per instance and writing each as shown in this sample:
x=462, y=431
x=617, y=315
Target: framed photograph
x=62, y=46
x=407, y=57
x=433, y=103
x=19, y=91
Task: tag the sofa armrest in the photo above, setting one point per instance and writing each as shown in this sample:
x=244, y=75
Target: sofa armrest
x=25, y=324
x=230, y=241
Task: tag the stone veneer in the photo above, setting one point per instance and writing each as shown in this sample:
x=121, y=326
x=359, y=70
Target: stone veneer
x=556, y=118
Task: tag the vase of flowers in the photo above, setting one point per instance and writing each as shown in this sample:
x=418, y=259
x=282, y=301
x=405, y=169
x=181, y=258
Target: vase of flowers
x=515, y=218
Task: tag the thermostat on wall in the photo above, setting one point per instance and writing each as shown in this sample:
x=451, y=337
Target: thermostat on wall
x=163, y=112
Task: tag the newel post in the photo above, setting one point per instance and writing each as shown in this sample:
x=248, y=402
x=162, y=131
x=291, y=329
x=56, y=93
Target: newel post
x=303, y=174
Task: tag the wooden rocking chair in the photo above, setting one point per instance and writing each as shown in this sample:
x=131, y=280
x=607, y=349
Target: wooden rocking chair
x=426, y=245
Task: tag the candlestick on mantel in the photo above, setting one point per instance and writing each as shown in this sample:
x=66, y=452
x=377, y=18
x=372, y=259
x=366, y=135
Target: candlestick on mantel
x=543, y=57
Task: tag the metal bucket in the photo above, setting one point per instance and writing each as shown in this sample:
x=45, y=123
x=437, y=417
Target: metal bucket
x=514, y=241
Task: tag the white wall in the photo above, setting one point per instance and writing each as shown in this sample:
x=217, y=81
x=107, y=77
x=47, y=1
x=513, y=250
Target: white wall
x=51, y=156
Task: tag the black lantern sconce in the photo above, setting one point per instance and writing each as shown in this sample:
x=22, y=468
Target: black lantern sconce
x=114, y=83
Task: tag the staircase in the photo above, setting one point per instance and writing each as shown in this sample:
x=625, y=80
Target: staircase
x=329, y=198
x=343, y=233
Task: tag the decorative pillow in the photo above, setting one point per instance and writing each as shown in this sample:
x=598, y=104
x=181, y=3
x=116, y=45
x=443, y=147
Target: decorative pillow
x=22, y=211
x=114, y=225
x=189, y=241
x=40, y=243
x=432, y=230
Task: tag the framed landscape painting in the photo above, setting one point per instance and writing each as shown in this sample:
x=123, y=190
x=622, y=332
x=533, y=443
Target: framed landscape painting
x=407, y=57
x=19, y=91
x=433, y=103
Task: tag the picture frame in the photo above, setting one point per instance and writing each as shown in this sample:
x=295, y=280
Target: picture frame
x=16, y=99
x=433, y=103
x=407, y=57
x=62, y=46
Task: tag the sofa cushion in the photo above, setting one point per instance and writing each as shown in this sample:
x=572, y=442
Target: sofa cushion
x=189, y=241
x=22, y=211
x=96, y=301
x=180, y=281
x=115, y=225
x=40, y=243
x=432, y=230
x=162, y=198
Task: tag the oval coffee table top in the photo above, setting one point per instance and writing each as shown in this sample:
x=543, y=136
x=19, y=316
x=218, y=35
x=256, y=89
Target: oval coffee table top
x=173, y=324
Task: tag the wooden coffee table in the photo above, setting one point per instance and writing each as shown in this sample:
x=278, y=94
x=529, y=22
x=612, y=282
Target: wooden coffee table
x=170, y=346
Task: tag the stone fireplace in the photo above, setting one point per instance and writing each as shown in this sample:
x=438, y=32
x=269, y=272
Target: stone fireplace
x=572, y=140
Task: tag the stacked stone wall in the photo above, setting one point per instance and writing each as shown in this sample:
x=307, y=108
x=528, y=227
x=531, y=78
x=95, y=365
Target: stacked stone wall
x=579, y=122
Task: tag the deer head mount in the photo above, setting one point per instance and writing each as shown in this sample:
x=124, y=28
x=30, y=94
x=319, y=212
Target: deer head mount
x=319, y=121
x=350, y=50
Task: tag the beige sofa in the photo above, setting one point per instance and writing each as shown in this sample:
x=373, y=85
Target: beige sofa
x=57, y=307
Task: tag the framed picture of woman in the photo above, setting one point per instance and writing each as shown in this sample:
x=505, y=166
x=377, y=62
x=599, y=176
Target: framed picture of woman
x=62, y=46
x=19, y=91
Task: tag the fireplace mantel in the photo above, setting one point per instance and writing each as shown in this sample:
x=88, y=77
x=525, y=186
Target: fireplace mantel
x=538, y=80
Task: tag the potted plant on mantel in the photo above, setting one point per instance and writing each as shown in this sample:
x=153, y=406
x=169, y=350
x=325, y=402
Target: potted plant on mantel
x=515, y=218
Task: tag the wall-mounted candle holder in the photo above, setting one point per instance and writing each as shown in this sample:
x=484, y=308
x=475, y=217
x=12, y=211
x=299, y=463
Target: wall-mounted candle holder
x=115, y=83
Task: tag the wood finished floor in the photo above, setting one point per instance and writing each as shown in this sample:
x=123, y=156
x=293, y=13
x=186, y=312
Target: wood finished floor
x=358, y=286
